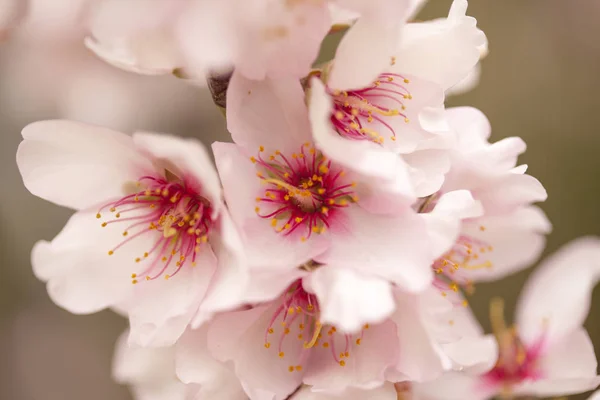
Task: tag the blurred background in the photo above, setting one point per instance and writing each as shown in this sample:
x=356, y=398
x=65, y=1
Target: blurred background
x=539, y=81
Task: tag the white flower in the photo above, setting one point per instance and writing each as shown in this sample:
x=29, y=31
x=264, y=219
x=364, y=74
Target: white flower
x=509, y=233
x=547, y=352
x=393, y=103
x=151, y=234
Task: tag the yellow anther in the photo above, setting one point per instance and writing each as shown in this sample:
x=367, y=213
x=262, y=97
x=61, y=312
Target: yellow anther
x=323, y=169
x=256, y=209
x=281, y=354
x=358, y=341
x=104, y=224
x=406, y=80
x=274, y=222
x=125, y=233
x=167, y=277
x=366, y=326
x=270, y=330
x=110, y=252
x=298, y=367
x=261, y=148
x=98, y=216
x=134, y=281
x=298, y=219
x=342, y=363
x=324, y=210
x=138, y=260
x=286, y=331
x=267, y=345
x=291, y=368
x=326, y=344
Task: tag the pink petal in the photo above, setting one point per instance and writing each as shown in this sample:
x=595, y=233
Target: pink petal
x=240, y=337
x=77, y=165
x=556, y=299
x=385, y=392
x=269, y=113
x=364, y=367
x=568, y=367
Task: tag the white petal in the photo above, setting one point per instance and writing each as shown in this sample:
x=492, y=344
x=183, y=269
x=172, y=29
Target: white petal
x=444, y=221
x=557, y=296
x=231, y=276
x=452, y=386
x=191, y=160
x=82, y=277
x=443, y=51
x=427, y=170
x=162, y=309
x=517, y=241
x=392, y=248
x=474, y=354
x=196, y=365
x=77, y=165
x=269, y=113
x=349, y=299
x=385, y=392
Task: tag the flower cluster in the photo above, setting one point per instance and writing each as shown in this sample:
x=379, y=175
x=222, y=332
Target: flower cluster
x=331, y=251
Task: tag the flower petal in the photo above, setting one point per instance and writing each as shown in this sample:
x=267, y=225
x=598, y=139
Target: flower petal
x=568, y=367
x=81, y=276
x=392, y=248
x=557, y=296
x=77, y=165
x=162, y=309
x=364, y=367
x=195, y=365
x=349, y=299
x=385, y=392
x=191, y=160
x=269, y=113
x=240, y=336
x=453, y=43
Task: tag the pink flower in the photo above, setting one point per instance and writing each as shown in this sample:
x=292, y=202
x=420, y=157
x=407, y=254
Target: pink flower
x=508, y=234
x=547, y=352
x=294, y=206
x=395, y=108
x=278, y=345
x=151, y=234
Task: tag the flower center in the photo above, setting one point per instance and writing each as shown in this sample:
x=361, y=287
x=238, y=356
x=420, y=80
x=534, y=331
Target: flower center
x=303, y=192
x=516, y=363
x=468, y=253
x=298, y=315
x=365, y=114
x=177, y=218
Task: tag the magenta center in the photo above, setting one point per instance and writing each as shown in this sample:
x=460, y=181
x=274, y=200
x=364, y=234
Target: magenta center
x=176, y=218
x=303, y=191
x=365, y=114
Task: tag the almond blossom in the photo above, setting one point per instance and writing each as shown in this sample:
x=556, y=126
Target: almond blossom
x=150, y=236
x=294, y=205
x=395, y=108
x=277, y=345
x=509, y=234
x=547, y=352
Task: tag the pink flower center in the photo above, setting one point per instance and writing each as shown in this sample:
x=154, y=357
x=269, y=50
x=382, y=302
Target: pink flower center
x=176, y=217
x=303, y=191
x=467, y=254
x=297, y=319
x=364, y=114
x=516, y=362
